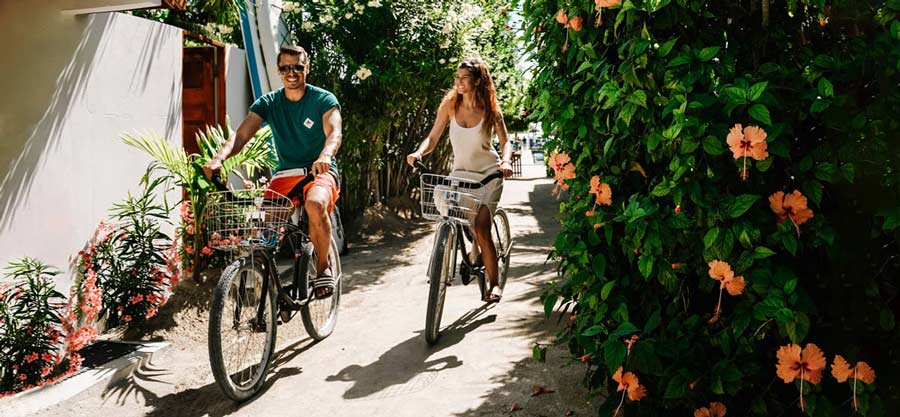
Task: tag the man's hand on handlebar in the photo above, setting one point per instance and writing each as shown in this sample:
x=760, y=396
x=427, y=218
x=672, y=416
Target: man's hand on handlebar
x=212, y=167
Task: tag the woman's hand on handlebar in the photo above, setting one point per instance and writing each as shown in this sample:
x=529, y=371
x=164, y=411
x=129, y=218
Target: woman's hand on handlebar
x=412, y=158
x=506, y=168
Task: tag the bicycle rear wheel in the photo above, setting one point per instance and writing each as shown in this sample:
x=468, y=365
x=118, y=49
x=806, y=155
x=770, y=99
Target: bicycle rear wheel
x=241, y=345
x=320, y=315
x=441, y=265
x=501, y=235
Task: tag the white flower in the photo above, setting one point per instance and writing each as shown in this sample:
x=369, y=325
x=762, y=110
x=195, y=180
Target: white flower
x=447, y=28
x=359, y=8
x=307, y=26
x=362, y=73
x=374, y=3
x=326, y=18
x=291, y=7
x=453, y=59
x=442, y=61
x=445, y=44
x=226, y=30
x=348, y=15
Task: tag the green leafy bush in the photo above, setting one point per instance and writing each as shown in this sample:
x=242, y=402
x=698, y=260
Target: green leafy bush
x=31, y=318
x=642, y=96
x=130, y=265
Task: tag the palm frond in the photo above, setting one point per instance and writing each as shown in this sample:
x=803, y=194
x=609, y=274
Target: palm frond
x=256, y=154
x=172, y=157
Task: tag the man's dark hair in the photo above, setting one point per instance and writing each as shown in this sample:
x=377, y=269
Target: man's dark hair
x=293, y=50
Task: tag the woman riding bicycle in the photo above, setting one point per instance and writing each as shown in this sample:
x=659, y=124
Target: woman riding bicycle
x=471, y=110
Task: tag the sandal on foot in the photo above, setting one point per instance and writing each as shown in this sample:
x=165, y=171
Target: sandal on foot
x=323, y=285
x=494, y=294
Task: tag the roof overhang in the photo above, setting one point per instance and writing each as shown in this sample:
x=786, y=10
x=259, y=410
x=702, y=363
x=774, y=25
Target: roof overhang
x=102, y=6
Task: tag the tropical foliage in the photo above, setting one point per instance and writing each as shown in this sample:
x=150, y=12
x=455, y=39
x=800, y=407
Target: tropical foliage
x=730, y=221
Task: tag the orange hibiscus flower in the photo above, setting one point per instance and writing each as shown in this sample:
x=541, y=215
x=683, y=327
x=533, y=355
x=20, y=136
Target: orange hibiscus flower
x=791, y=206
x=575, y=23
x=714, y=410
x=841, y=370
x=747, y=143
x=628, y=384
x=561, y=17
x=558, y=160
x=721, y=271
x=601, y=190
x=806, y=364
x=599, y=5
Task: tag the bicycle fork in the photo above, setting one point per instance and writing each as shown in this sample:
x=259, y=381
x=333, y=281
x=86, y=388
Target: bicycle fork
x=452, y=236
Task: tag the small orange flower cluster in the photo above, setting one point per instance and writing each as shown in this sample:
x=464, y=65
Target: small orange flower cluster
x=562, y=167
x=715, y=410
x=807, y=365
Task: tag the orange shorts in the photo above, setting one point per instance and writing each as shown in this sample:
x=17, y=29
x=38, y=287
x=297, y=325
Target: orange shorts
x=286, y=183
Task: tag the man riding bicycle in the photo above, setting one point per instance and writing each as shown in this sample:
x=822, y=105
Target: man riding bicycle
x=306, y=126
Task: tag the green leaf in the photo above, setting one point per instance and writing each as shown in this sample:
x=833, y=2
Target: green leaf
x=761, y=113
x=790, y=243
x=742, y=204
x=819, y=106
x=679, y=60
x=826, y=89
x=638, y=97
x=762, y=252
x=539, y=353
x=678, y=387
x=653, y=321
x=624, y=329
x=549, y=303
x=614, y=353
x=607, y=288
x=887, y=319
x=710, y=238
x=826, y=171
x=708, y=53
x=645, y=265
x=665, y=48
x=592, y=331
x=584, y=65
x=713, y=146
x=849, y=172
x=756, y=91
x=790, y=286
x=735, y=95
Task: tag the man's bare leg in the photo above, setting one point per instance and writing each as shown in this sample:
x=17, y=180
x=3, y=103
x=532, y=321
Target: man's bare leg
x=317, y=200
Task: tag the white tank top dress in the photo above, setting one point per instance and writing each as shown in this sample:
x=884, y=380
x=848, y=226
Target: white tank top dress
x=474, y=159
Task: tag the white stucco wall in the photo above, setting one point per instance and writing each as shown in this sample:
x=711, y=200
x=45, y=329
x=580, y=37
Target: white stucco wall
x=72, y=86
x=237, y=85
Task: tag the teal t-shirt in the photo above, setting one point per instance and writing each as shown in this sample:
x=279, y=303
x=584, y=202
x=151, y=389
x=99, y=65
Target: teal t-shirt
x=297, y=125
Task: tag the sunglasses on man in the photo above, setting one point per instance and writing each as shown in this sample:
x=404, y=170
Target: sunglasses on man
x=284, y=69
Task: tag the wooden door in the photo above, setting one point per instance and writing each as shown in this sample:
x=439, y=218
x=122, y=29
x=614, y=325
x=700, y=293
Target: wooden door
x=203, y=92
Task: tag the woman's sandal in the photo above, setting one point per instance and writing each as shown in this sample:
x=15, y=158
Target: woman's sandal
x=494, y=294
x=323, y=285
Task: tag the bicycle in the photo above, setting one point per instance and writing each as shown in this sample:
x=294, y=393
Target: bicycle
x=453, y=203
x=269, y=278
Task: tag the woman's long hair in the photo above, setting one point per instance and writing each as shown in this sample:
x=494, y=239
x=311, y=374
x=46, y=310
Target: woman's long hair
x=485, y=94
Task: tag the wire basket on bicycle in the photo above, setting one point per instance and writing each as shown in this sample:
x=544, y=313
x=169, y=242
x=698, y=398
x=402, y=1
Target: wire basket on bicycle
x=247, y=219
x=453, y=198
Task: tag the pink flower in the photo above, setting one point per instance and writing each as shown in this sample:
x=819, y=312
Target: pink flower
x=46, y=371
x=47, y=358
x=152, y=299
x=151, y=312
x=207, y=251
x=31, y=357
x=127, y=318
x=120, y=308
x=22, y=377
x=190, y=231
x=263, y=180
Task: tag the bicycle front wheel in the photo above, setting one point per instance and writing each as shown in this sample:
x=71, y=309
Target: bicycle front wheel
x=320, y=315
x=501, y=235
x=242, y=328
x=441, y=265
